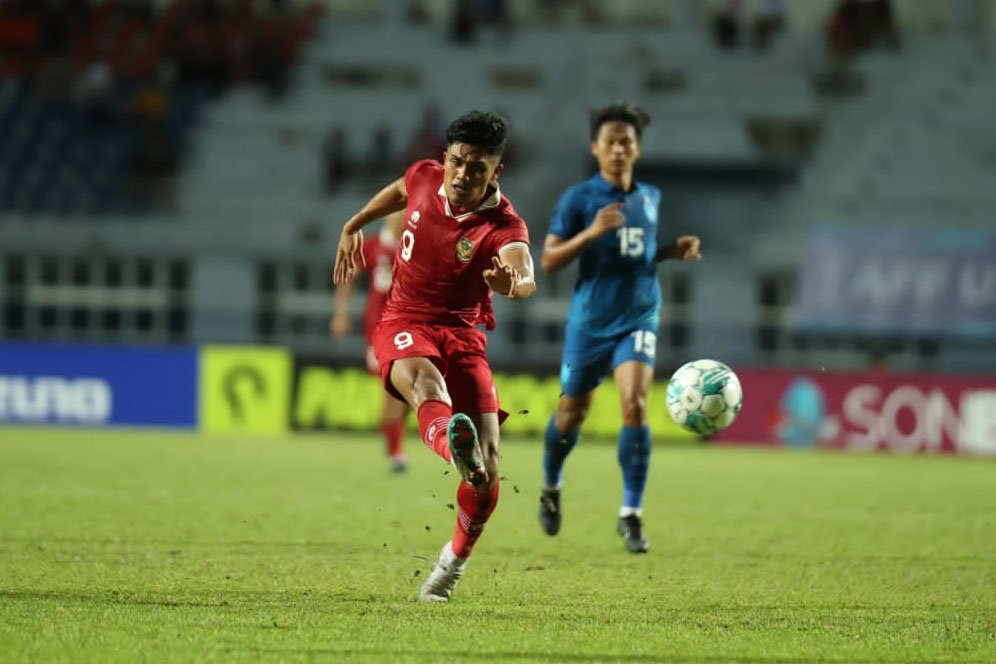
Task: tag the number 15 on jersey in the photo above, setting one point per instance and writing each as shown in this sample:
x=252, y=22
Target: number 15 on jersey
x=630, y=241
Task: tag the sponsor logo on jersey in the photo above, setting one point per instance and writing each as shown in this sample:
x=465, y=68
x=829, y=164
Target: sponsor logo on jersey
x=413, y=220
x=465, y=250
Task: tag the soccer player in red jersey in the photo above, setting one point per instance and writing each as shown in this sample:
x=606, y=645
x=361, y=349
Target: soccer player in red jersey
x=461, y=242
x=378, y=257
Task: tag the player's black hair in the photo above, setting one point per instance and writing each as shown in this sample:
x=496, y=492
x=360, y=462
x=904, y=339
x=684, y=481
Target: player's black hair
x=620, y=111
x=483, y=129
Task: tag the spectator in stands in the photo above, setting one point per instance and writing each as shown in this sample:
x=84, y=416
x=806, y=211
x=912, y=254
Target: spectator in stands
x=768, y=22
x=882, y=25
x=429, y=139
x=726, y=24
x=844, y=35
x=272, y=55
x=497, y=14
x=856, y=26
x=380, y=158
x=463, y=22
x=93, y=92
x=157, y=158
x=335, y=158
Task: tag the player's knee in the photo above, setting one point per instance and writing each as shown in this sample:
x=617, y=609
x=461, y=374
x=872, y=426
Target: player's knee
x=568, y=420
x=571, y=413
x=428, y=387
x=634, y=410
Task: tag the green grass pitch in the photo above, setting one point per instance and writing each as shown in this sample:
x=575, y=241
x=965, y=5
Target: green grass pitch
x=150, y=546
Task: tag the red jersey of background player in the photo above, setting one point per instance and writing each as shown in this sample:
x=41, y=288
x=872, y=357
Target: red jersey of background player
x=378, y=253
x=443, y=253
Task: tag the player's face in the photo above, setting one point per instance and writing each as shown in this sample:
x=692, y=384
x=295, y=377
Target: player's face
x=468, y=172
x=616, y=147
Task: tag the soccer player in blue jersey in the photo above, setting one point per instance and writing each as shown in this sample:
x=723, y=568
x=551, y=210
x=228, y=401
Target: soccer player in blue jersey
x=610, y=222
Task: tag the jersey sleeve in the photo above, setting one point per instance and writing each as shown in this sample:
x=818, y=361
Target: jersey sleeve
x=514, y=231
x=567, y=221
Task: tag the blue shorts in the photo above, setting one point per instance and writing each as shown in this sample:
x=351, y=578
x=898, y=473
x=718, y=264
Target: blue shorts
x=587, y=359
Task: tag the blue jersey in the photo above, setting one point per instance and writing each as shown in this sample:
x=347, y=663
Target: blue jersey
x=617, y=288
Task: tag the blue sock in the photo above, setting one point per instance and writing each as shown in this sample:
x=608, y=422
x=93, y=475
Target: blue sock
x=634, y=459
x=556, y=447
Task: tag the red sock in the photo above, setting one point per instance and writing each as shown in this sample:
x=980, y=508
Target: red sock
x=393, y=431
x=433, y=417
x=475, y=510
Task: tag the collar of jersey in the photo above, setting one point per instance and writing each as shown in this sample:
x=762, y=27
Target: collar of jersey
x=605, y=185
x=491, y=201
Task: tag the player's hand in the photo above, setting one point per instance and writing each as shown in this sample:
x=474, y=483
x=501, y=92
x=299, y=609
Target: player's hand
x=502, y=278
x=686, y=248
x=608, y=219
x=350, y=252
x=339, y=325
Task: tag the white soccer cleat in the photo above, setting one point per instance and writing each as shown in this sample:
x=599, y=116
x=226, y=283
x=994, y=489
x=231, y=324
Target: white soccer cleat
x=445, y=574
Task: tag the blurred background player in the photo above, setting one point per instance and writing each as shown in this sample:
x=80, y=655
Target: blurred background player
x=461, y=241
x=378, y=259
x=610, y=222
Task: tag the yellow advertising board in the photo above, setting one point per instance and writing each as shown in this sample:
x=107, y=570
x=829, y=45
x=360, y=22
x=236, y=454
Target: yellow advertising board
x=332, y=398
x=245, y=389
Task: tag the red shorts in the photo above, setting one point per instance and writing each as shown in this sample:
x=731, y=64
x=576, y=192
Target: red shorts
x=460, y=354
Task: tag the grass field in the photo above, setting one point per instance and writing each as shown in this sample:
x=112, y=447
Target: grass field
x=125, y=546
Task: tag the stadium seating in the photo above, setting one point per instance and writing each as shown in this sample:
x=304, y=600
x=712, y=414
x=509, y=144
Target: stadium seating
x=748, y=146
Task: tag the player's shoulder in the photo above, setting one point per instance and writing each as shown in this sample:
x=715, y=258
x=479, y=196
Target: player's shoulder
x=506, y=214
x=423, y=168
x=648, y=189
x=583, y=189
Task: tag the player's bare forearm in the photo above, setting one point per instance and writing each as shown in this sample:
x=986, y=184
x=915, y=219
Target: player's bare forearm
x=392, y=198
x=513, y=275
x=558, y=252
x=684, y=248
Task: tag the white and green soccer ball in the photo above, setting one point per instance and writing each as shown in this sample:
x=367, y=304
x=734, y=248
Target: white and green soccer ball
x=704, y=396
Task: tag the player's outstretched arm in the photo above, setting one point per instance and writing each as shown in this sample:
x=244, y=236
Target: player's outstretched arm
x=511, y=272
x=684, y=248
x=558, y=252
x=390, y=199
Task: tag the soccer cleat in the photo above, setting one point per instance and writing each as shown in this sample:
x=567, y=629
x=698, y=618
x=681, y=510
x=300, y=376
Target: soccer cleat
x=549, y=511
x=443, y=578
x=466, y=451
x=631, y=527
x=399, y=465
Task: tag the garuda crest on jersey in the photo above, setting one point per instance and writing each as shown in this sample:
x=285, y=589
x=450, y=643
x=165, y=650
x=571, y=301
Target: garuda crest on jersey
x=465, y=250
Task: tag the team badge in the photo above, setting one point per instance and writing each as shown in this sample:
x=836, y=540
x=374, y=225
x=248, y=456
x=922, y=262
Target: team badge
x=649, y=209
x=413, y=220
x=465, y=250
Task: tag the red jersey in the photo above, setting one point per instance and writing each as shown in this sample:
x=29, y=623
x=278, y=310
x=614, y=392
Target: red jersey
x=438, y=272
x=379, y=256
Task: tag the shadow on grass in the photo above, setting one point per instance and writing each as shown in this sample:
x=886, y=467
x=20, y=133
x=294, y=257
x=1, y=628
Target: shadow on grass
x=107, y=597
x=234, y=598
x=389, y=653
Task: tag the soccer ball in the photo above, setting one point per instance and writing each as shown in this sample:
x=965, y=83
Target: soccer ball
x=704, y=396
